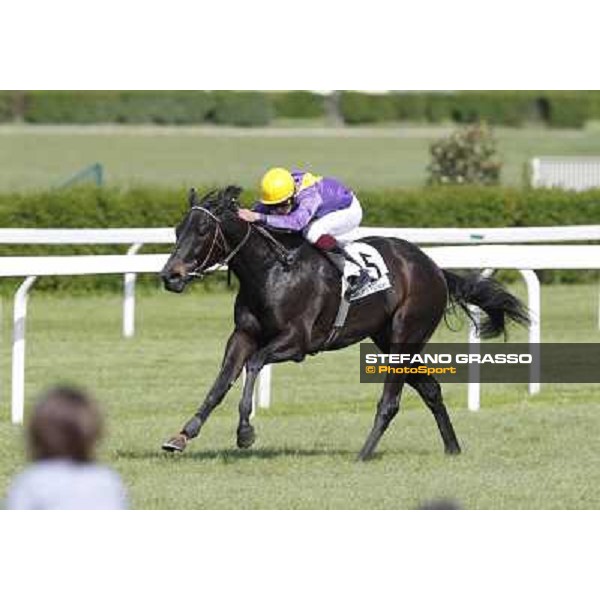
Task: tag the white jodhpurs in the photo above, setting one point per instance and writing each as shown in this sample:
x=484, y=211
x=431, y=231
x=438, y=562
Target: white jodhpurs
x=335, y=223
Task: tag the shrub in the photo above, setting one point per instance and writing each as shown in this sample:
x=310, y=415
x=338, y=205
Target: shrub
x=244, y=109
x=466, y=156
x=299, y=104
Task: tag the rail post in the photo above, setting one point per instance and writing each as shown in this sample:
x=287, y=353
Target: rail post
x=129, y=296
x=534, y=304
x=1, y=332
x=264, y=387
x=474, y=385
x=535, y=172
x=18, y=350
x=261, y=394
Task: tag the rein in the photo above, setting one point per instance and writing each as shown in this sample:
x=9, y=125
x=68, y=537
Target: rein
x=282, y=252
x=218, y=237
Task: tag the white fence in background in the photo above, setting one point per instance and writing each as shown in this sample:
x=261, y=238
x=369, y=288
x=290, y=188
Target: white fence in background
x=567, y=172
x=524, y=258
x=485, y=235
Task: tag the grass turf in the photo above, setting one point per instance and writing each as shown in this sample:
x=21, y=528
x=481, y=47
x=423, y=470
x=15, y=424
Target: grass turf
x=40, y=157
x=519, y=451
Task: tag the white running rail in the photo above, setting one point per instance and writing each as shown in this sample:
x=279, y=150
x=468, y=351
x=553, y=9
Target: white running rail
x=135, y=238
x=445, y=235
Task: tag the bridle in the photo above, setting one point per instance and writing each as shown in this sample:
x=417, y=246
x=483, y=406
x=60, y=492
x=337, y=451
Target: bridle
x=218, y=239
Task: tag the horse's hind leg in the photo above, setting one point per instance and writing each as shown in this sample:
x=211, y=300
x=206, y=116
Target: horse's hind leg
x=430, y=391
x=387, y=408
x=397, y=332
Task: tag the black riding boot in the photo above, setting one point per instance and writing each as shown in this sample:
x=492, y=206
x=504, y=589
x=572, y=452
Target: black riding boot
x=356, y=282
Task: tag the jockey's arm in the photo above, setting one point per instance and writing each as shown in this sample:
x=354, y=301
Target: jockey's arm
x=299, y=217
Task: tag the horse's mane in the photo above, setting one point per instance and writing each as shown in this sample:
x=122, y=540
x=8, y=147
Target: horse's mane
x=224, y=202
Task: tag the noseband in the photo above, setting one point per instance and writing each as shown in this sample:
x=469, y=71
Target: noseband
x=218, y=239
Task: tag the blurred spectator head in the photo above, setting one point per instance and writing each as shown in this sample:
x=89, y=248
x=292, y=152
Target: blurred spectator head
x=66, y=423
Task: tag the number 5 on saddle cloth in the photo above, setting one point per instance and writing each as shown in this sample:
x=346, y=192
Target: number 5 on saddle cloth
x=368, y=258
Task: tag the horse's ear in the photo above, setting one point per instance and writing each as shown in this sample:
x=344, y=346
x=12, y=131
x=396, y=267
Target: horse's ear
x=193, y=197
x=232, y=193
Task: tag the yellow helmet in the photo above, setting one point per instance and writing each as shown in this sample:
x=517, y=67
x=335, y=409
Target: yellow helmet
x=276, y=186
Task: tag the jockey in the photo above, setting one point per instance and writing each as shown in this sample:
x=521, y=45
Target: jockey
x=320, y=207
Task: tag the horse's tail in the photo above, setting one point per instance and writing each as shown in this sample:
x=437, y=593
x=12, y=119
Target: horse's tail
x=489, y=295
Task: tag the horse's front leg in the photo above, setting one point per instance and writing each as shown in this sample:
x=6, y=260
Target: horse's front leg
x=286, y=346
x=240, y=346
x=245, y=431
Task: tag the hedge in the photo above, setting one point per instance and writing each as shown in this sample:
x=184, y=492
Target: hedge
x=299, y=104
x=243, y=109
x=176, y=108
x=166, y=107
x=119, y=107
x=163, y=107
x=71, y=107
x=7, y=106
x=419, y=207
x=357, y=108
x=509, y=108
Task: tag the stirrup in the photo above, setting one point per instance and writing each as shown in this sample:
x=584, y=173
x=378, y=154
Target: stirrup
x=356, y=283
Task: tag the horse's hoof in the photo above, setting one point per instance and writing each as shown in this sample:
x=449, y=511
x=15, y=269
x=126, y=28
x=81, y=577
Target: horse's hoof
x=453, y=451
x=364, y=456
x=245, y=437
x=175, y=444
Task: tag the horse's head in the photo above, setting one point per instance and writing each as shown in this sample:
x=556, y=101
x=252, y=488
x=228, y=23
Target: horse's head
x=201, y=243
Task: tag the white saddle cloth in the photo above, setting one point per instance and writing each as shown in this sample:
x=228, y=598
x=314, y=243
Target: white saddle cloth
x=369, y=259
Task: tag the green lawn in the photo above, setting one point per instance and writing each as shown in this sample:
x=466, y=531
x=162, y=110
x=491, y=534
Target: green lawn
x=519, y=451
x=38, y=157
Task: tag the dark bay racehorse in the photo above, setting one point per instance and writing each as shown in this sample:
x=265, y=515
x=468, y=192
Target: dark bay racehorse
x=288, y=300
